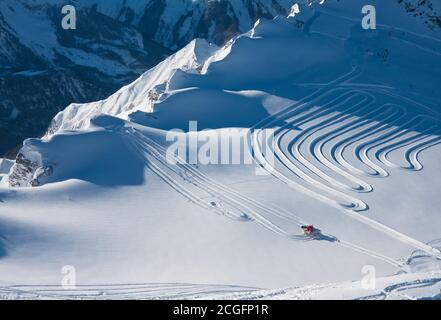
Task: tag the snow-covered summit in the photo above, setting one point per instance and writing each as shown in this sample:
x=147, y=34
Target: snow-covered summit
x=139, y=95
x=44, y=67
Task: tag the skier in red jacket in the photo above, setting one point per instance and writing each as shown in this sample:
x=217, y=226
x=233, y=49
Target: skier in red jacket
x=308, y=229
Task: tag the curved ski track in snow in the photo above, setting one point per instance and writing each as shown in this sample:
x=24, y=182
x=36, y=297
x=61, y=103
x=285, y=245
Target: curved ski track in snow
x=203, y=191
x=336, y=116
x=153, y=291
x=333, y=120
x=344, y=134
x=200, y=189
x=404, y=286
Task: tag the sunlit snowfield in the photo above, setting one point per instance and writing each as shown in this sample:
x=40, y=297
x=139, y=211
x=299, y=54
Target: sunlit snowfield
x=356, y=152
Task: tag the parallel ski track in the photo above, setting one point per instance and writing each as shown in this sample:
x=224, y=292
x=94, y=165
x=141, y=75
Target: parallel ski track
x=327, y=116
x=170, y=291
x=253, y=209
x=249, y=209
x=192, y=183
x=156, y=291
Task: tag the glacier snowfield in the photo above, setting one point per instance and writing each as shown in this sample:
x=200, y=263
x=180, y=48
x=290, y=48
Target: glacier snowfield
x=355, y=150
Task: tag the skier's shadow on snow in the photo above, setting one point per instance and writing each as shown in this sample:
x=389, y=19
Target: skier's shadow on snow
x=318, y=235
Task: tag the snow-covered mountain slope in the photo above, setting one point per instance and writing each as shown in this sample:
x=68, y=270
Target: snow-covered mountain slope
x=245, y=71
x=355, y=145
x=139, y=95
x=44, y=67
x=175, y=23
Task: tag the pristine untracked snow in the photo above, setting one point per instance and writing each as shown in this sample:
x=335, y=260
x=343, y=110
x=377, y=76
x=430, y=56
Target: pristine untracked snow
x=355, y=118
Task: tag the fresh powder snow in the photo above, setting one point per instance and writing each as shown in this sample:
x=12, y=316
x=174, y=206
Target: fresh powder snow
x=353, y=120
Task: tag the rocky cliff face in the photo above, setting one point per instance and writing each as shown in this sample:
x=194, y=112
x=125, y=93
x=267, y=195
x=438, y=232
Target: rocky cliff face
x=44, y=67
x=174, y=23
x=427, y=10
x=28, y=169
